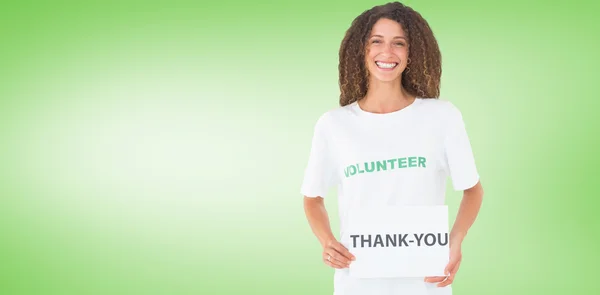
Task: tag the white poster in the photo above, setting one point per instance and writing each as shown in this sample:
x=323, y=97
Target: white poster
x=398, y=241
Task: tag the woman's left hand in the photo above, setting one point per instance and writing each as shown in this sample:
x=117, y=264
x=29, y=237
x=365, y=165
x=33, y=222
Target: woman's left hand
x=451, y=268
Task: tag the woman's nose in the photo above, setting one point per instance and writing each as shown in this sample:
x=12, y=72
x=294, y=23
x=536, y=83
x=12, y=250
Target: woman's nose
x=387, y=48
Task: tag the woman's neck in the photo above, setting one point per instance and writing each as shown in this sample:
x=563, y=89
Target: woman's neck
x=385, y=97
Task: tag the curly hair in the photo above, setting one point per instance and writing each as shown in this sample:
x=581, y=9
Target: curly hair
x=422, y=77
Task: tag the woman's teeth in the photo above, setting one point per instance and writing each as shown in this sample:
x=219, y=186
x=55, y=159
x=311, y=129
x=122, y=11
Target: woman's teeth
x=384, y=65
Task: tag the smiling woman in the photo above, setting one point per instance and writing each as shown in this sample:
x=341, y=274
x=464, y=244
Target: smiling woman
x=386, y=50
x=391, y=142
x=397, y=44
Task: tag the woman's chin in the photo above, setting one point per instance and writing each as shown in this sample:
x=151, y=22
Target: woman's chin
x=386, y=78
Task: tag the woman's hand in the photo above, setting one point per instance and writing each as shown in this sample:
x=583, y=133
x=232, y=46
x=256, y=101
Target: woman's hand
x=336, y=255
x=451, y=268
x=469, y=208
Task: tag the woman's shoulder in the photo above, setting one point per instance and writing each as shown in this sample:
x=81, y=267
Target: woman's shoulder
x=338, y=112
x=439, y=107
x=331, y=115
x=438, y=103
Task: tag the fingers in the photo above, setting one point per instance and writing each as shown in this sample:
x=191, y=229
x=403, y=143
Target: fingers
x=336, y=255
x=330, y=264
x=447, y=280
x=450, y=278
x=452, y=264
x=332, y=261
x=450, y=271
x=343, y=251
x=434, y=279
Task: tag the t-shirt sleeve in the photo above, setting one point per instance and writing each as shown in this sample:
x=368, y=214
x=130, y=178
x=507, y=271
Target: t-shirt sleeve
x=460, y=162
x=319, y=173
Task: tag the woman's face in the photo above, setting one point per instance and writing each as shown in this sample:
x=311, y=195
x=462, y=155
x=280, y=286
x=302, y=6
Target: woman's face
x=387, y=51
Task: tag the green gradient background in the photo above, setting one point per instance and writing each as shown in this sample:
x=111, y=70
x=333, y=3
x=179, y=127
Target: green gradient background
x=150, y=148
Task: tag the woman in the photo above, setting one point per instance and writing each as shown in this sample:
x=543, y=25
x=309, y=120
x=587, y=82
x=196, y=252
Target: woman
x=389, y=71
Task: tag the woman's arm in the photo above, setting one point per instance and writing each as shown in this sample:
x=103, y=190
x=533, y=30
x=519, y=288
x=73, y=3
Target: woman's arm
x=334, y=253
x=318, y=219
x=467, y=213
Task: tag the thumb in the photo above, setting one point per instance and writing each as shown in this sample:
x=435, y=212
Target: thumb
x=449, y=267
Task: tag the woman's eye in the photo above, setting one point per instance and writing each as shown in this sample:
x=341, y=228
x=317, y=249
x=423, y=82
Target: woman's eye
x=375, y=41
x=400, y=44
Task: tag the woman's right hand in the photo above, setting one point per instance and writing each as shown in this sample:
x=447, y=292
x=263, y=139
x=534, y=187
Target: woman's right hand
x=336, y=255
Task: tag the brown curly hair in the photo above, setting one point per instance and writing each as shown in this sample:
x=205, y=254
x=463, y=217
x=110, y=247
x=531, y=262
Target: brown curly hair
x=422, y=77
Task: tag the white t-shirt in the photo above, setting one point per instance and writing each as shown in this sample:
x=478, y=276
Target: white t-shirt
x=399, y=158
